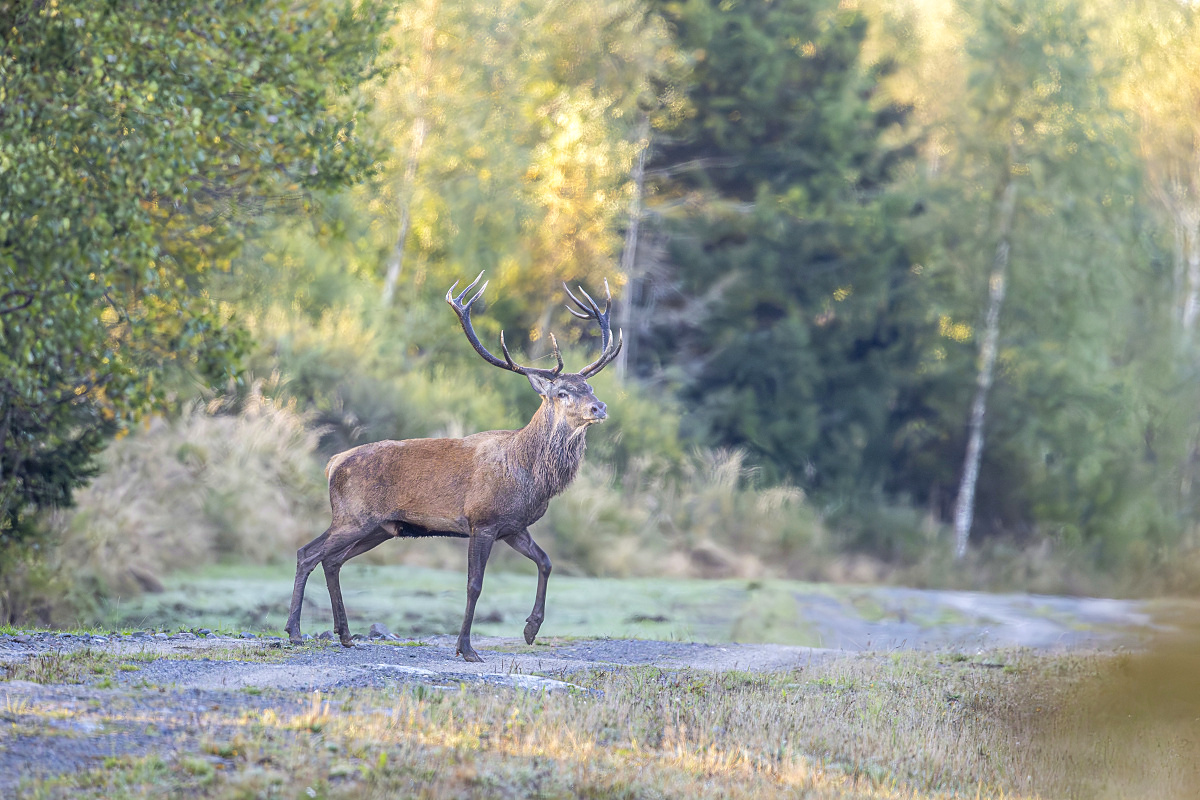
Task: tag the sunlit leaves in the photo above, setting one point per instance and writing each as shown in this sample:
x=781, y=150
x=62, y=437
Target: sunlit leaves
x=526, y=110
x=138, y=142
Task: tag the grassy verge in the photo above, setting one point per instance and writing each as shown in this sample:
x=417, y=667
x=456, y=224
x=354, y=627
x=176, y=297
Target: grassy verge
x=88, y=665
x=418, y=601
x=903, y=726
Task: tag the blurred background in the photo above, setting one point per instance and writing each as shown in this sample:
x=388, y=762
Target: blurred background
x=909, y=290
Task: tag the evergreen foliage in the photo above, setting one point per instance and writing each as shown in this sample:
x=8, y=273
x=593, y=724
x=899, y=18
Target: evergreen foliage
x=807, y=346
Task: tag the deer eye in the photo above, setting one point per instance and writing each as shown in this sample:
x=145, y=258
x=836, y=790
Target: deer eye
x=562, y=395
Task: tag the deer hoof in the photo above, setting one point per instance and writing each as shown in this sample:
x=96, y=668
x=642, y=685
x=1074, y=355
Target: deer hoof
x=347, y=641
x=468, y=653
x=531, y=631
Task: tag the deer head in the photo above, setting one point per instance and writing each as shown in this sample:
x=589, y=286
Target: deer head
x=568, y=395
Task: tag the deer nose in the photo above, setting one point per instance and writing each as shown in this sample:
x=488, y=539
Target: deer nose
x=598, y=410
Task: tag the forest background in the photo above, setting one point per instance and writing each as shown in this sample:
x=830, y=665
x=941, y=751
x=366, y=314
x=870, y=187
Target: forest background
x=909, y=290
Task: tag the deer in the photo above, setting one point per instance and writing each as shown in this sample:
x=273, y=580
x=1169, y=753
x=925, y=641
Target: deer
x=485, y=487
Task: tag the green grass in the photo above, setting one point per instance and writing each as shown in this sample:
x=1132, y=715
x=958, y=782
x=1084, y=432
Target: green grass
x=418, y=601
x=88, y=665
x=421, y=601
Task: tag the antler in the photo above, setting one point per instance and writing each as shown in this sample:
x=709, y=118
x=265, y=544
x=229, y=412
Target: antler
x=608, y=351
x=463, y=310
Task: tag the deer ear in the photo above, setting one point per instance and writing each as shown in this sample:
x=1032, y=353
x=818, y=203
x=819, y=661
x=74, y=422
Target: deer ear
x=540, y=385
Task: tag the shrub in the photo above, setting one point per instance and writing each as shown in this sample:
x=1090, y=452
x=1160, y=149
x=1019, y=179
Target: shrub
x=213, y=484
x=708, y=519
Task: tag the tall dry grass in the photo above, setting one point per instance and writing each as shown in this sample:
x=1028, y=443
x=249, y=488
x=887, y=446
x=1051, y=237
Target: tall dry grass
x=231, y=478
x=705, y=519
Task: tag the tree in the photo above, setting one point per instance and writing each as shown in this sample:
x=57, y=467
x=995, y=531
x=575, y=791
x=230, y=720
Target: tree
x=515, y=127
x=1043, y=158
x=793, y=330
x=137, y=142
x=1162, y=88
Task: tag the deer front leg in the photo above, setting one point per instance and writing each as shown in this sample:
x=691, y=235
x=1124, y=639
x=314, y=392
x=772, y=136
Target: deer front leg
x=478, y=549
x=524, y=544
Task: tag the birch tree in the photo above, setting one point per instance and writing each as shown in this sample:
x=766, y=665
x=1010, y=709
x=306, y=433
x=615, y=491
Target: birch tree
x=1162, y=88
x=1042, y=135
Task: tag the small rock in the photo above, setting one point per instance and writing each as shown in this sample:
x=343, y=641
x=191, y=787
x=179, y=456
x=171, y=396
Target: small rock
x=379, y=631
x=307, y=637
x=204, y=632
x=184, y=635
x=22, y=638
x=161, y=636
x=358, y=637
x=248, y=635
x=99, y=639
x=326, y=635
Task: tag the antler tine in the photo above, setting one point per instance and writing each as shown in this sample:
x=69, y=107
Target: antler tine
x=557, y=355
x=607, y=349
x=605, y=357
x=464, y=292
x=515, y=367
x=507, y=356
x=591, y=308
x=463, y=310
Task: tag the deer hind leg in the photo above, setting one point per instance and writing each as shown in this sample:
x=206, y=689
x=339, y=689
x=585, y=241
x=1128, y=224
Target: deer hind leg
x=524, y=544
x=342, y=546
x=307, y=558
x=478, y=549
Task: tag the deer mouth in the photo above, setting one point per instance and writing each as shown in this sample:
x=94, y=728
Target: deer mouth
x=598, y=416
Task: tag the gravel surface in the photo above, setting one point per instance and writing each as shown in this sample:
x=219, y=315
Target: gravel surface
x=176, y=687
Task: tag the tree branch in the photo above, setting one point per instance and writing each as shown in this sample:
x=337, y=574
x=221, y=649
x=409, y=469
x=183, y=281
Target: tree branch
x=7, y=309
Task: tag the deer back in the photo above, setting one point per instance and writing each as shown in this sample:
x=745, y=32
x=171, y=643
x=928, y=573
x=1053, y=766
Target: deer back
x=442, y=485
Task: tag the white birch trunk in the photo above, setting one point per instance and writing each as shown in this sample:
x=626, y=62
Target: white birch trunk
x=624, y=306
x=1190, y=222
x=964, y=506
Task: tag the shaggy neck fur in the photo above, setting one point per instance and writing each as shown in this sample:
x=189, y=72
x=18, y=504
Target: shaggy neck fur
x=552, y=450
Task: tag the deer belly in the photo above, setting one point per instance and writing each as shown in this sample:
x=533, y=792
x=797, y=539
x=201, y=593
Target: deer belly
x=414, y=523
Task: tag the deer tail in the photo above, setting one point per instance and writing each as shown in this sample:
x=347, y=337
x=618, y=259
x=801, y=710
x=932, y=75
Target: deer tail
x=334, y=463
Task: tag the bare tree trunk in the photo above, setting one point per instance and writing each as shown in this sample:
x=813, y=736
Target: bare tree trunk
x=1187, y=242
x=407, y=188
x=1190, y=222
x=624, y=307
x=964, y=507
x=1178, y=270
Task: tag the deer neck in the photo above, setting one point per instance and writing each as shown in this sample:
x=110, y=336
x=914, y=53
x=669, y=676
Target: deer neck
x=551, y=450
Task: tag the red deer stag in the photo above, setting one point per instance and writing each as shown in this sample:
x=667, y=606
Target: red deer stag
x=484, y=487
